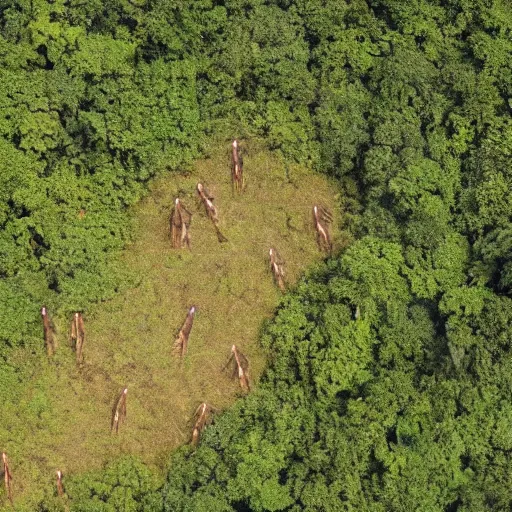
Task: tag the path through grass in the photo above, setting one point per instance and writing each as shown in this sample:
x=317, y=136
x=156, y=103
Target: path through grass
x=129, y=339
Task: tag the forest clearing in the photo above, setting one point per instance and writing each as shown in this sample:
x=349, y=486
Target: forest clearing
x=129, y=340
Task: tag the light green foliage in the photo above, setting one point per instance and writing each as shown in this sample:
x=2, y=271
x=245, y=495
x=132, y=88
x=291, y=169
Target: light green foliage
x=125, y=484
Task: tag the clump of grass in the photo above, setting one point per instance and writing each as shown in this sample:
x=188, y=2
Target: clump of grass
x=130, y=338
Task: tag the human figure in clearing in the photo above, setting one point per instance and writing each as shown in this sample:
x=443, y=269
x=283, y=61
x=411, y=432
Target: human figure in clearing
x=237, y=167
x=211, y=210
x=202, y=417
x=181, y=343
x=78, y=336
x=119, y=411
x=7, y=477
x=49, y=339
x=240, y=366
x=60, y=488
x=276, y=266
x=179, y=222
x=322, y=218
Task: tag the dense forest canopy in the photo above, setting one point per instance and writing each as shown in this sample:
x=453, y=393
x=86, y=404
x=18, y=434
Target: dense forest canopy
x=390, y=366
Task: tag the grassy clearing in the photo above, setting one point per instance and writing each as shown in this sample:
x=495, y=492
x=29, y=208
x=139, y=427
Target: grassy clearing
x=129, y=339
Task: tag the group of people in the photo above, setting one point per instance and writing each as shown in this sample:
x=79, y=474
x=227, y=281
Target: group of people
x=180, y=220
x=179, y=223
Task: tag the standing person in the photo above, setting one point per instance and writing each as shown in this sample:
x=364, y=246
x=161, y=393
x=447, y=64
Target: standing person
x=237, y=167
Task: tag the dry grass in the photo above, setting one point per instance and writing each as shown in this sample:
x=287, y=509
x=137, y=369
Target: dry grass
x=129, y=339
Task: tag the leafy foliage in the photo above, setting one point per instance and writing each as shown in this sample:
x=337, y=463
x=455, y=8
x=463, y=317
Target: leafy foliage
x=389, y=367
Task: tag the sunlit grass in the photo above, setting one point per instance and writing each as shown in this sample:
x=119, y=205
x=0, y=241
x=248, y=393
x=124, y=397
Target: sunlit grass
x=129, y=339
